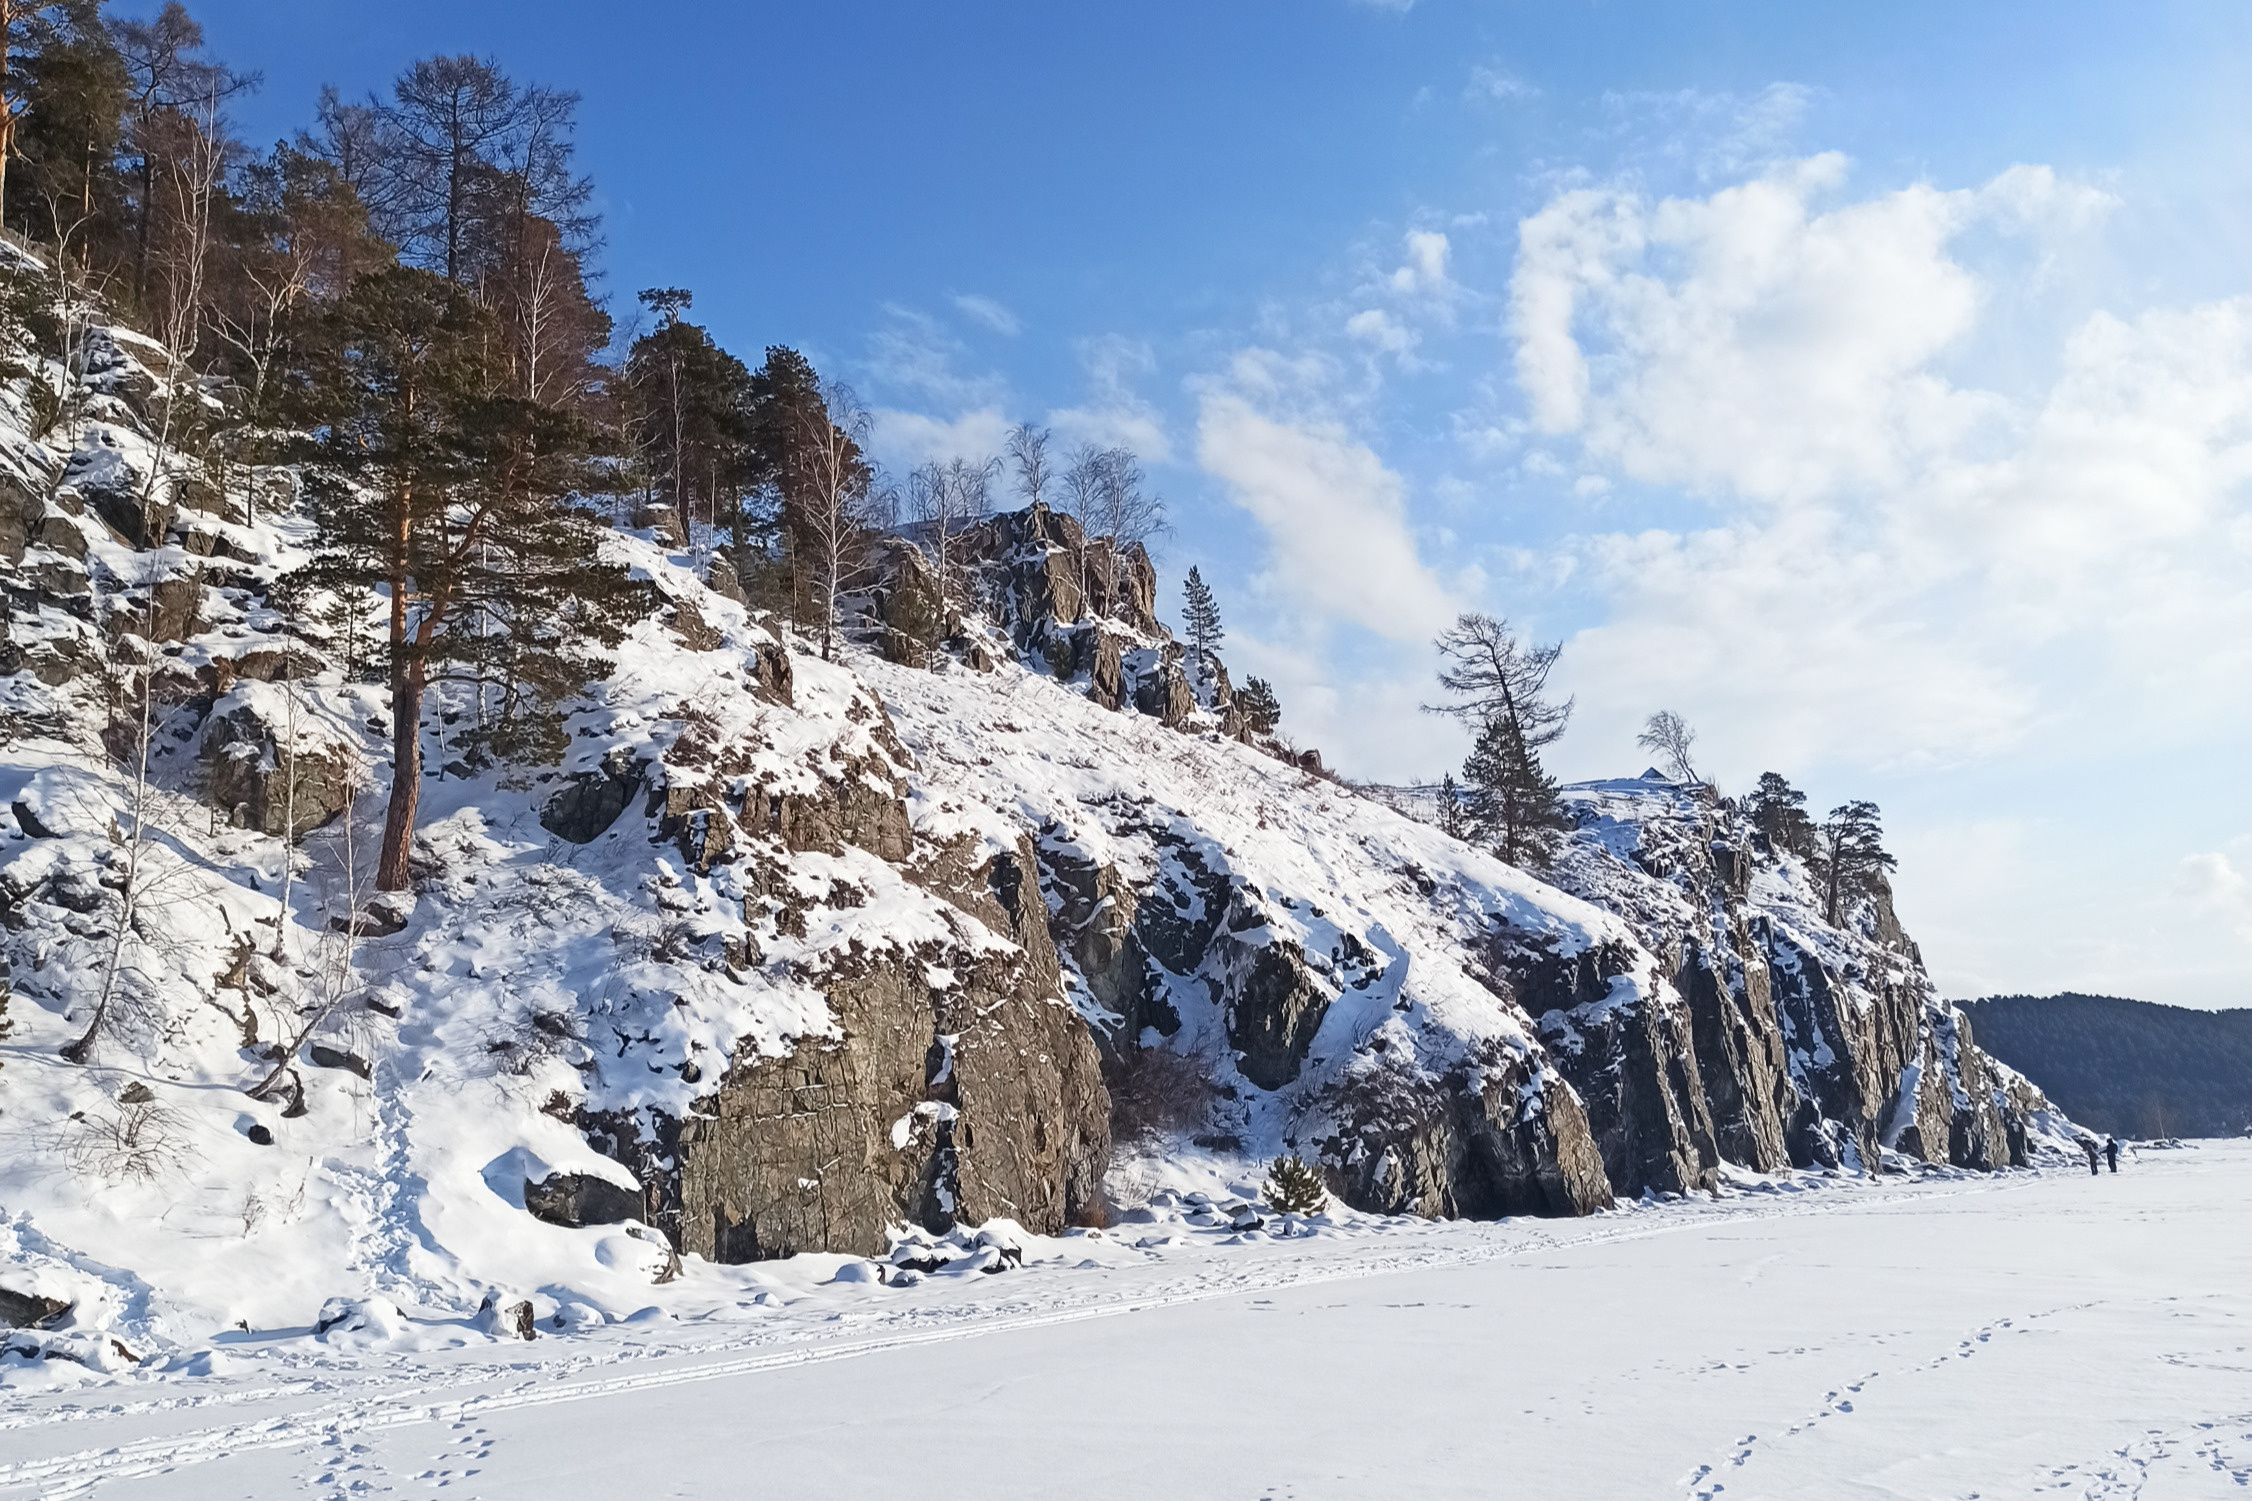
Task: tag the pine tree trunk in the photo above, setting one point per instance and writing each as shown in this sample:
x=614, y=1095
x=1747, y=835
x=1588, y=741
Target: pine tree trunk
x=407, y=683
x=407, y=674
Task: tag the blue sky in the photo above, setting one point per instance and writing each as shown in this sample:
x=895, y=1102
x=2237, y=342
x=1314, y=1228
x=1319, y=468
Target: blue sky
x=1869, y=384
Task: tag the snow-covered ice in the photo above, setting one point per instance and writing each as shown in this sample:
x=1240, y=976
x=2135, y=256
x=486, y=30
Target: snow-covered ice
x=1960, y=1335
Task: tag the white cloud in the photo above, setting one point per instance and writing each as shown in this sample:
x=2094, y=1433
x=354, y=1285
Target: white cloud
x=1380, y=330
x=988, y=312
x=1116, y=413
x=1747, y=340
x=912, y=352
x=1497, y=84
x=1717, y=135
x=1424, y=273
x=902, y=440
x=2212, y=884
x=1904, y=569
x=1335, y=517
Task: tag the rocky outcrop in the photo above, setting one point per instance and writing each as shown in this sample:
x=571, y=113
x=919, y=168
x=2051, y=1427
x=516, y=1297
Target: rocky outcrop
x=956, y=1085
x=1488, y=1139
x=1082, y=610
x=265, y=778
x=1039, y=572
x=1740, y=1055
x=589, y=802
x=953, y=1080
x=1797, y=1043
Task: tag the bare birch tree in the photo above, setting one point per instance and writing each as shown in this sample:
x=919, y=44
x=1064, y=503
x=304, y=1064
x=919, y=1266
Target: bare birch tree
x=329, y=977
x=839, y=497
x=1028, y=456
x=943, y=499
x=135, y=870
x=1125, y=513
x=1668, y=735
x=193, y=177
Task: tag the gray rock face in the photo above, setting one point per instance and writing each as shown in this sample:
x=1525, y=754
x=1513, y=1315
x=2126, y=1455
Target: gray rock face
x=1094, y=908
x=1793, y=1042
x=1740, y=1056
x=1051, y=587
x=575, y=1199
x=955, y=1082
x=1630, y=1057
x=20, y=512
x=1483, y=1142
x=584, y=807
x=930, y=1106
x=265, y=785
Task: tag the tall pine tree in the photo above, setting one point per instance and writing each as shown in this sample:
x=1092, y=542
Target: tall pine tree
x=66, y=96
x=1512, y=802
x=1500, y=687
x=688, y=407
x=1201, y=612
x=1853, y=858
x=454, y=502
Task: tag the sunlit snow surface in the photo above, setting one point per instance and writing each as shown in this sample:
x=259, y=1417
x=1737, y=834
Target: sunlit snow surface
x=2021, y=1334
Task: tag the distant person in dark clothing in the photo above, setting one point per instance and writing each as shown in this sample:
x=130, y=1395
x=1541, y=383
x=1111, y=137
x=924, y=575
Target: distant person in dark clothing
x=2088, y=1145
x=2111, y=1150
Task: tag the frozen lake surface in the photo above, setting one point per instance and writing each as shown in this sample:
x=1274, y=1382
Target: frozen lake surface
x=2020, y=1335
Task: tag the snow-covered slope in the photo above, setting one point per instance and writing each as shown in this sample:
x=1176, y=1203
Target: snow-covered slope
x=797, y=956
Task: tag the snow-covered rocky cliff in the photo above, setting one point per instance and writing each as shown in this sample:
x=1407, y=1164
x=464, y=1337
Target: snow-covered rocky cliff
x=790, y=955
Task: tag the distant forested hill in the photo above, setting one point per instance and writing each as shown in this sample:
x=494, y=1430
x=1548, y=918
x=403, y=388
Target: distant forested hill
x=2127, y=1067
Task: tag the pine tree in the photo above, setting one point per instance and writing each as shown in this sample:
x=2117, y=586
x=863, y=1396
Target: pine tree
x=1778, y=811
x=458, y=142
x=1261, y=710
x=453, y=501
x=1201, y=612
x=1853, y=856
x=785, y=395
x=1294, y=1187
x=688, y=410
x=1493, y=675
x=1500, y=687
x=1452, y=821
x=67, y=93
x=1512, y=802
x=172, y=106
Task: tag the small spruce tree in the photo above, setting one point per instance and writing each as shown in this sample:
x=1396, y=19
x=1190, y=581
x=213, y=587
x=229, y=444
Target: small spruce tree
x=1512, y=802
x=1261, y=710
x=1294, y=1187
x=1451, y=816
x=1201, y=612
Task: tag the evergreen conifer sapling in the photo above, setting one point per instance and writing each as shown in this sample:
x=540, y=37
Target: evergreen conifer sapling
x=1261, y=710
x=1513, y=804
x=1294, y=1187
x=1201, y=612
